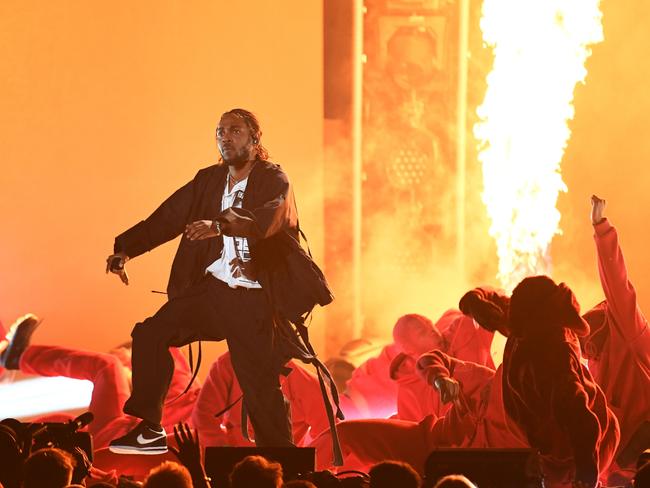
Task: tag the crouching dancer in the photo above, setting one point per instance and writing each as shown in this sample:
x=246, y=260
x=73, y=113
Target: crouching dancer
x=548, y=392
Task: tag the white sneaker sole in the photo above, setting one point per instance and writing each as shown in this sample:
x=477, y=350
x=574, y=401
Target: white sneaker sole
x=147, y=451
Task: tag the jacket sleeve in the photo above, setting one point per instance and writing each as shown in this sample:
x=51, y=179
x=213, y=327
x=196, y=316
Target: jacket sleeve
x=434, y=364
x=164, y=224
x=619, y=292
x=470, y=375
x=276, y=212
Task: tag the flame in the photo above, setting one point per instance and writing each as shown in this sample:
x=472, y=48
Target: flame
x=540, y=48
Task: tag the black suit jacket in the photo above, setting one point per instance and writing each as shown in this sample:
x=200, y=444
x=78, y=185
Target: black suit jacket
x=291, y=279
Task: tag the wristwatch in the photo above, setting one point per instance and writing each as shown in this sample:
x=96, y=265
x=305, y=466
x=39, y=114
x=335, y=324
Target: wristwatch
x=216, y=227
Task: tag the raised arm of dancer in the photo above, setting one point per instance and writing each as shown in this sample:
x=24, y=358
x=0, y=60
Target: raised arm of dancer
x=619, y=291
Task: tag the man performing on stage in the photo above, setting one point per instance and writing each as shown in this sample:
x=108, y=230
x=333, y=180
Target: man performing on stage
x=239, y=274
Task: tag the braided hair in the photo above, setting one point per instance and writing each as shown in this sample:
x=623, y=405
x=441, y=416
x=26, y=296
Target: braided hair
x=253, y=125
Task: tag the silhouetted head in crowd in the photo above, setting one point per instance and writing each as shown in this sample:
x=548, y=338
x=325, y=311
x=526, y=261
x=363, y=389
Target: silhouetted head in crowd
x=299, y=484
x=322, y=479
x=454, y=481
x=256, y=471
x=389, y=474
x=48, y=468
x=415, y=335
x=592, y=344
x=168, y=475
x=11, y=458
x=489, y=307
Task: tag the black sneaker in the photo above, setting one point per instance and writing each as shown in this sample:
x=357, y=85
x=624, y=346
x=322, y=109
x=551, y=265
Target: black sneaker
x=18, y=338
x=141, y=440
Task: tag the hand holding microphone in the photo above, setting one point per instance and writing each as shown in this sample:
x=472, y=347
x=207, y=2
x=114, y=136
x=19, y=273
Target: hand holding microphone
x=115, y=264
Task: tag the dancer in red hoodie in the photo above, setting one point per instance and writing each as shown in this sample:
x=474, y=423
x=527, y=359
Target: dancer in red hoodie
x=618, y=345
x=474, y=420
x=370, y=392
x=388, y=386
x=413, y=335
x=548, y=392
x=221, y=390
x=456, y=334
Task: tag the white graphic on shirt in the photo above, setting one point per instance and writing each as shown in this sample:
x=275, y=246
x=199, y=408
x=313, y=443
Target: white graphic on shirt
x=234, y=248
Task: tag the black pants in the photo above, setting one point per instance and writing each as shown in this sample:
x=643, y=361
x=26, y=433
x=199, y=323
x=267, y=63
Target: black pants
x=211, y=310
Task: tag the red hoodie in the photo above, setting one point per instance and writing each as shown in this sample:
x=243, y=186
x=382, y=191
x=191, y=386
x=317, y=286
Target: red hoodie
x=464, y=340
x=478, y=418
x=623, y=368
x=370, y=392
x=475, y=421
x=415, y=398
x=548, y=392
x=552, y=397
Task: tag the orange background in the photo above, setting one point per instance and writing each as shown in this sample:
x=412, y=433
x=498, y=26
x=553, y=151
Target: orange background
x=108, y=107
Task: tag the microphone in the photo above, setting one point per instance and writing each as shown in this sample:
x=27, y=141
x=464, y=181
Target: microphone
x=116, y=264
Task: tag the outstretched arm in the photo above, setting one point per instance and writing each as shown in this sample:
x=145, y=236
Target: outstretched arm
x=452, y=376
x=189, y=454
x=618, y=290
x=165, y=223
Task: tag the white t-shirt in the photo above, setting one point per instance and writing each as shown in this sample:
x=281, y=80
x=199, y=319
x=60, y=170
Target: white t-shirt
x=233, y=247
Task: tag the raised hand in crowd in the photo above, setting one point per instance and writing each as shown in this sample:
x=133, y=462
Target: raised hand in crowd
x=597, y=209
x=189, y=454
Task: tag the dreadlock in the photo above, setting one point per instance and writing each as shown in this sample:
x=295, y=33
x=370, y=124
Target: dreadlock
x=253, y=125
